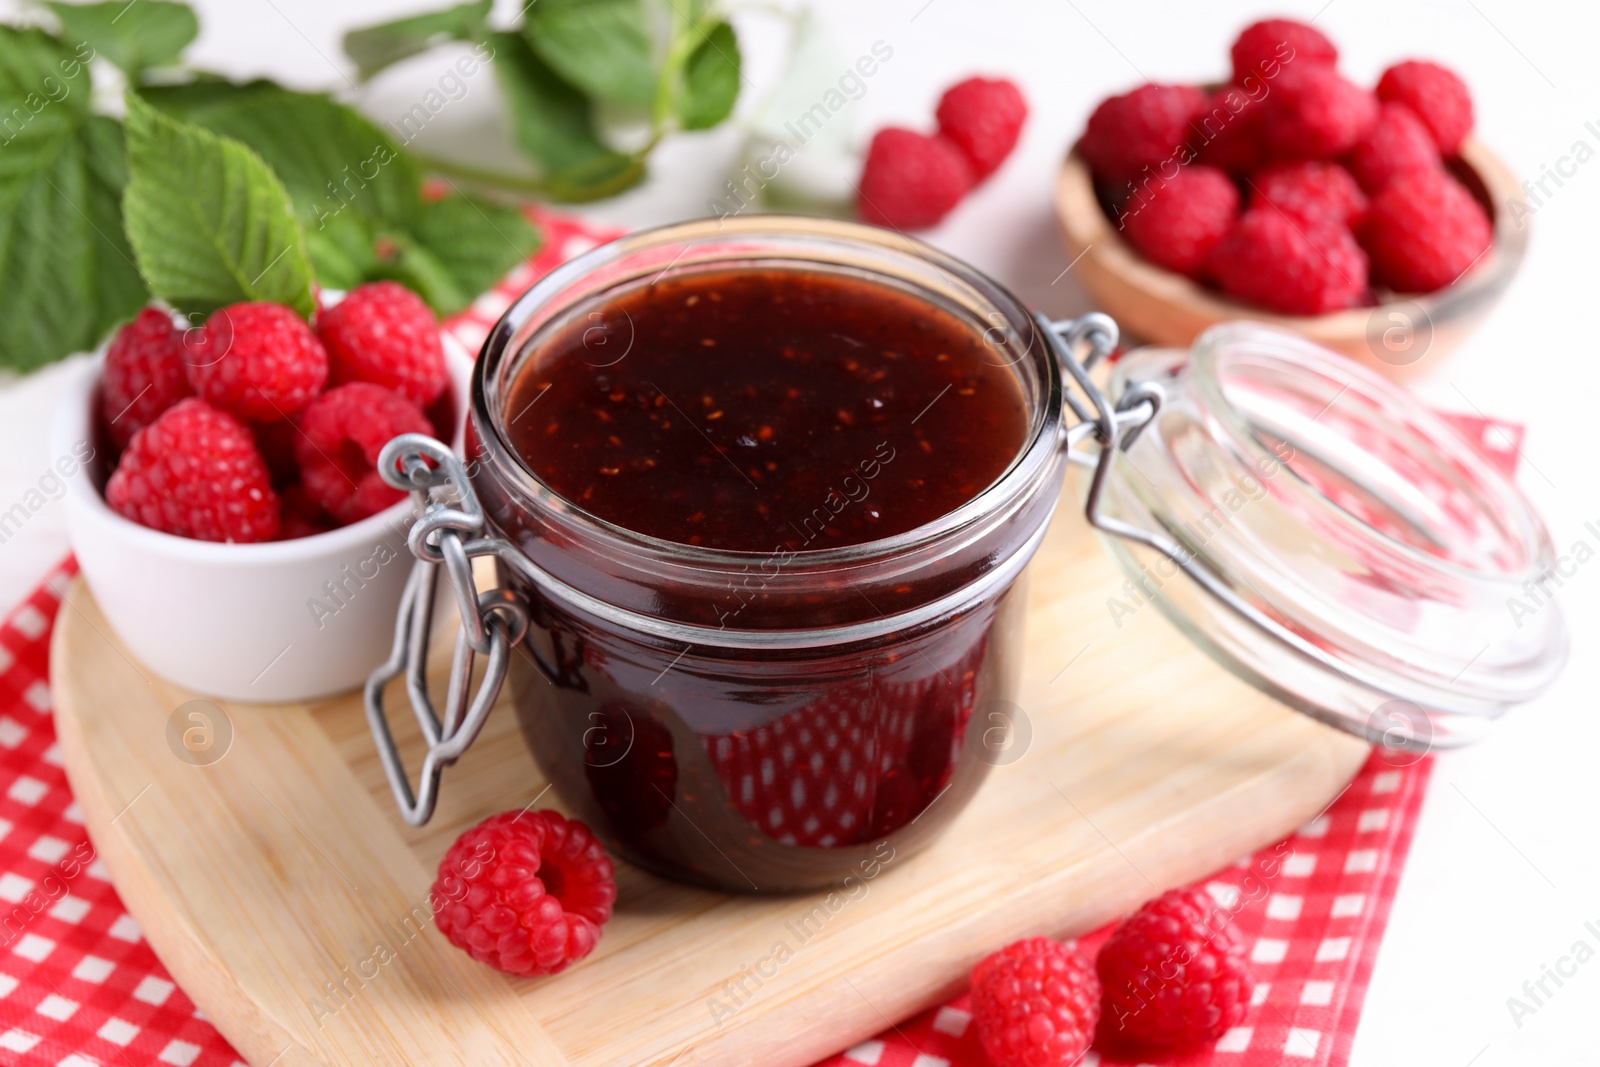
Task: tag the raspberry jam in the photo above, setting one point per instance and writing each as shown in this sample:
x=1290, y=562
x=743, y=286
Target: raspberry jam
x=757, y=410
x=774, y=498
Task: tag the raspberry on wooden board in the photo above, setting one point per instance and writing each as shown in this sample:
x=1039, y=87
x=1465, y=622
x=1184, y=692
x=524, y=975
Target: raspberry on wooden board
x=525, y=892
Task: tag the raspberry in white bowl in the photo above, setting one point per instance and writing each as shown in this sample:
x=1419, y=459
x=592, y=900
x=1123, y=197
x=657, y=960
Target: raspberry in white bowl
x=231, y=527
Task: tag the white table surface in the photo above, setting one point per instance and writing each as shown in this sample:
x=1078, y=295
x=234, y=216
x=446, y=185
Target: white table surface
x=1505, y=871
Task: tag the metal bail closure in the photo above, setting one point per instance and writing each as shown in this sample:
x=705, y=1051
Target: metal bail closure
x=1345, y=549
x=447, y=535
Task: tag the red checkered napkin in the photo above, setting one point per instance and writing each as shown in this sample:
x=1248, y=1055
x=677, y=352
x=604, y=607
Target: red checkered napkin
x=80, y=986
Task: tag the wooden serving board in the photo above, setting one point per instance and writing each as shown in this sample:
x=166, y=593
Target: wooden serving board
x=268, y=880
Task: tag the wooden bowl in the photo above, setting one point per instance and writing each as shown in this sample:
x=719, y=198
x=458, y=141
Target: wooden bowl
x=1400, y=336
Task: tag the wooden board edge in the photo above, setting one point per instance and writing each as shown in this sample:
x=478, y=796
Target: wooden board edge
x=229, y=1004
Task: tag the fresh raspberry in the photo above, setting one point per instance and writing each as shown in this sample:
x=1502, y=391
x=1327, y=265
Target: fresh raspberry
x=1297, y=266
x=1310, y=189
x=341, y=434
x=1397, y=144
x=383, y=333
x=1313, y=112
x=1036, y=1003
x=1424, y=231
x=1280, y=41
x=1437, y=95
x=984, y=117
x=525, y=892
x=259, y=361
x=1176, y=225
x=144, y=374
x=195, y=472
x=911, y=180
x=1229, y=132
x=1174, y=973
x=1140, y=128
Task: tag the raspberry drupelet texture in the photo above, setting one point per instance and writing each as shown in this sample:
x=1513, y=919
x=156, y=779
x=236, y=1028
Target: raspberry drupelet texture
x=144, y=374
x=1176, y=225
x=1035, y=1003
x=195, y=472
x=383, y=333
x=341, y=434
x=983, y=117
x=1229, y=133
x=525, y=892
x=1314, y=112
x=1174, y=974
x=911, y=180
x=1140, y=128
x=1296, y=266
x=258, y=361
x=1311, y=189
x=1397, y=144
x=1438, y=97
x=1424, y=231
x=1280, y=41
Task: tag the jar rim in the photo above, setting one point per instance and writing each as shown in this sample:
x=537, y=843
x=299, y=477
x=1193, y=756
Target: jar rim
x=1033, y=461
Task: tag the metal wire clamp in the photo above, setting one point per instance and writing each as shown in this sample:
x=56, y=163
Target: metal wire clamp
x=447, y=535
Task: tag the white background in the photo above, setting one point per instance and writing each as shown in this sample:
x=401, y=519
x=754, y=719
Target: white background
x=1505, y=872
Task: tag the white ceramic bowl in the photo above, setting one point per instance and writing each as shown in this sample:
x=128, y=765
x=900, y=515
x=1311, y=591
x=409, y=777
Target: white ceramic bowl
x=286, y=620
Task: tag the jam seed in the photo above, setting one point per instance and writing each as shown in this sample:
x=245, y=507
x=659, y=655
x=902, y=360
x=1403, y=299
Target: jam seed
x=764, y=434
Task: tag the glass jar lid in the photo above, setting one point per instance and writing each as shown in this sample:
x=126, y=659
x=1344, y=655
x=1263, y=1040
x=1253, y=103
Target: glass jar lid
x=1319, y=532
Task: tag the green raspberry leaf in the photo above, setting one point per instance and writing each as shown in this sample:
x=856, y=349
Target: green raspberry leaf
x=377, y=47
x=710, y=80
x=65, y=266
x=358, y=196
x=552, y=121
x=330, y=158
x=461, y=247
x=209, y=221
x=601, y=47
x=37, y=71
x=134, y=36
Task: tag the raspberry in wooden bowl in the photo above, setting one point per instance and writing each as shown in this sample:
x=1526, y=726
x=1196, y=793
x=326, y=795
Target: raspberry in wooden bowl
x=1369, y=221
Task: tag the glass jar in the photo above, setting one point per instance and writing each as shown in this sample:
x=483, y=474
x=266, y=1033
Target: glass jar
x=753, y=720
x=770, y=721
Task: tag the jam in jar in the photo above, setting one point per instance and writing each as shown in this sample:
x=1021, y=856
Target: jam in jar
x=779, y=478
